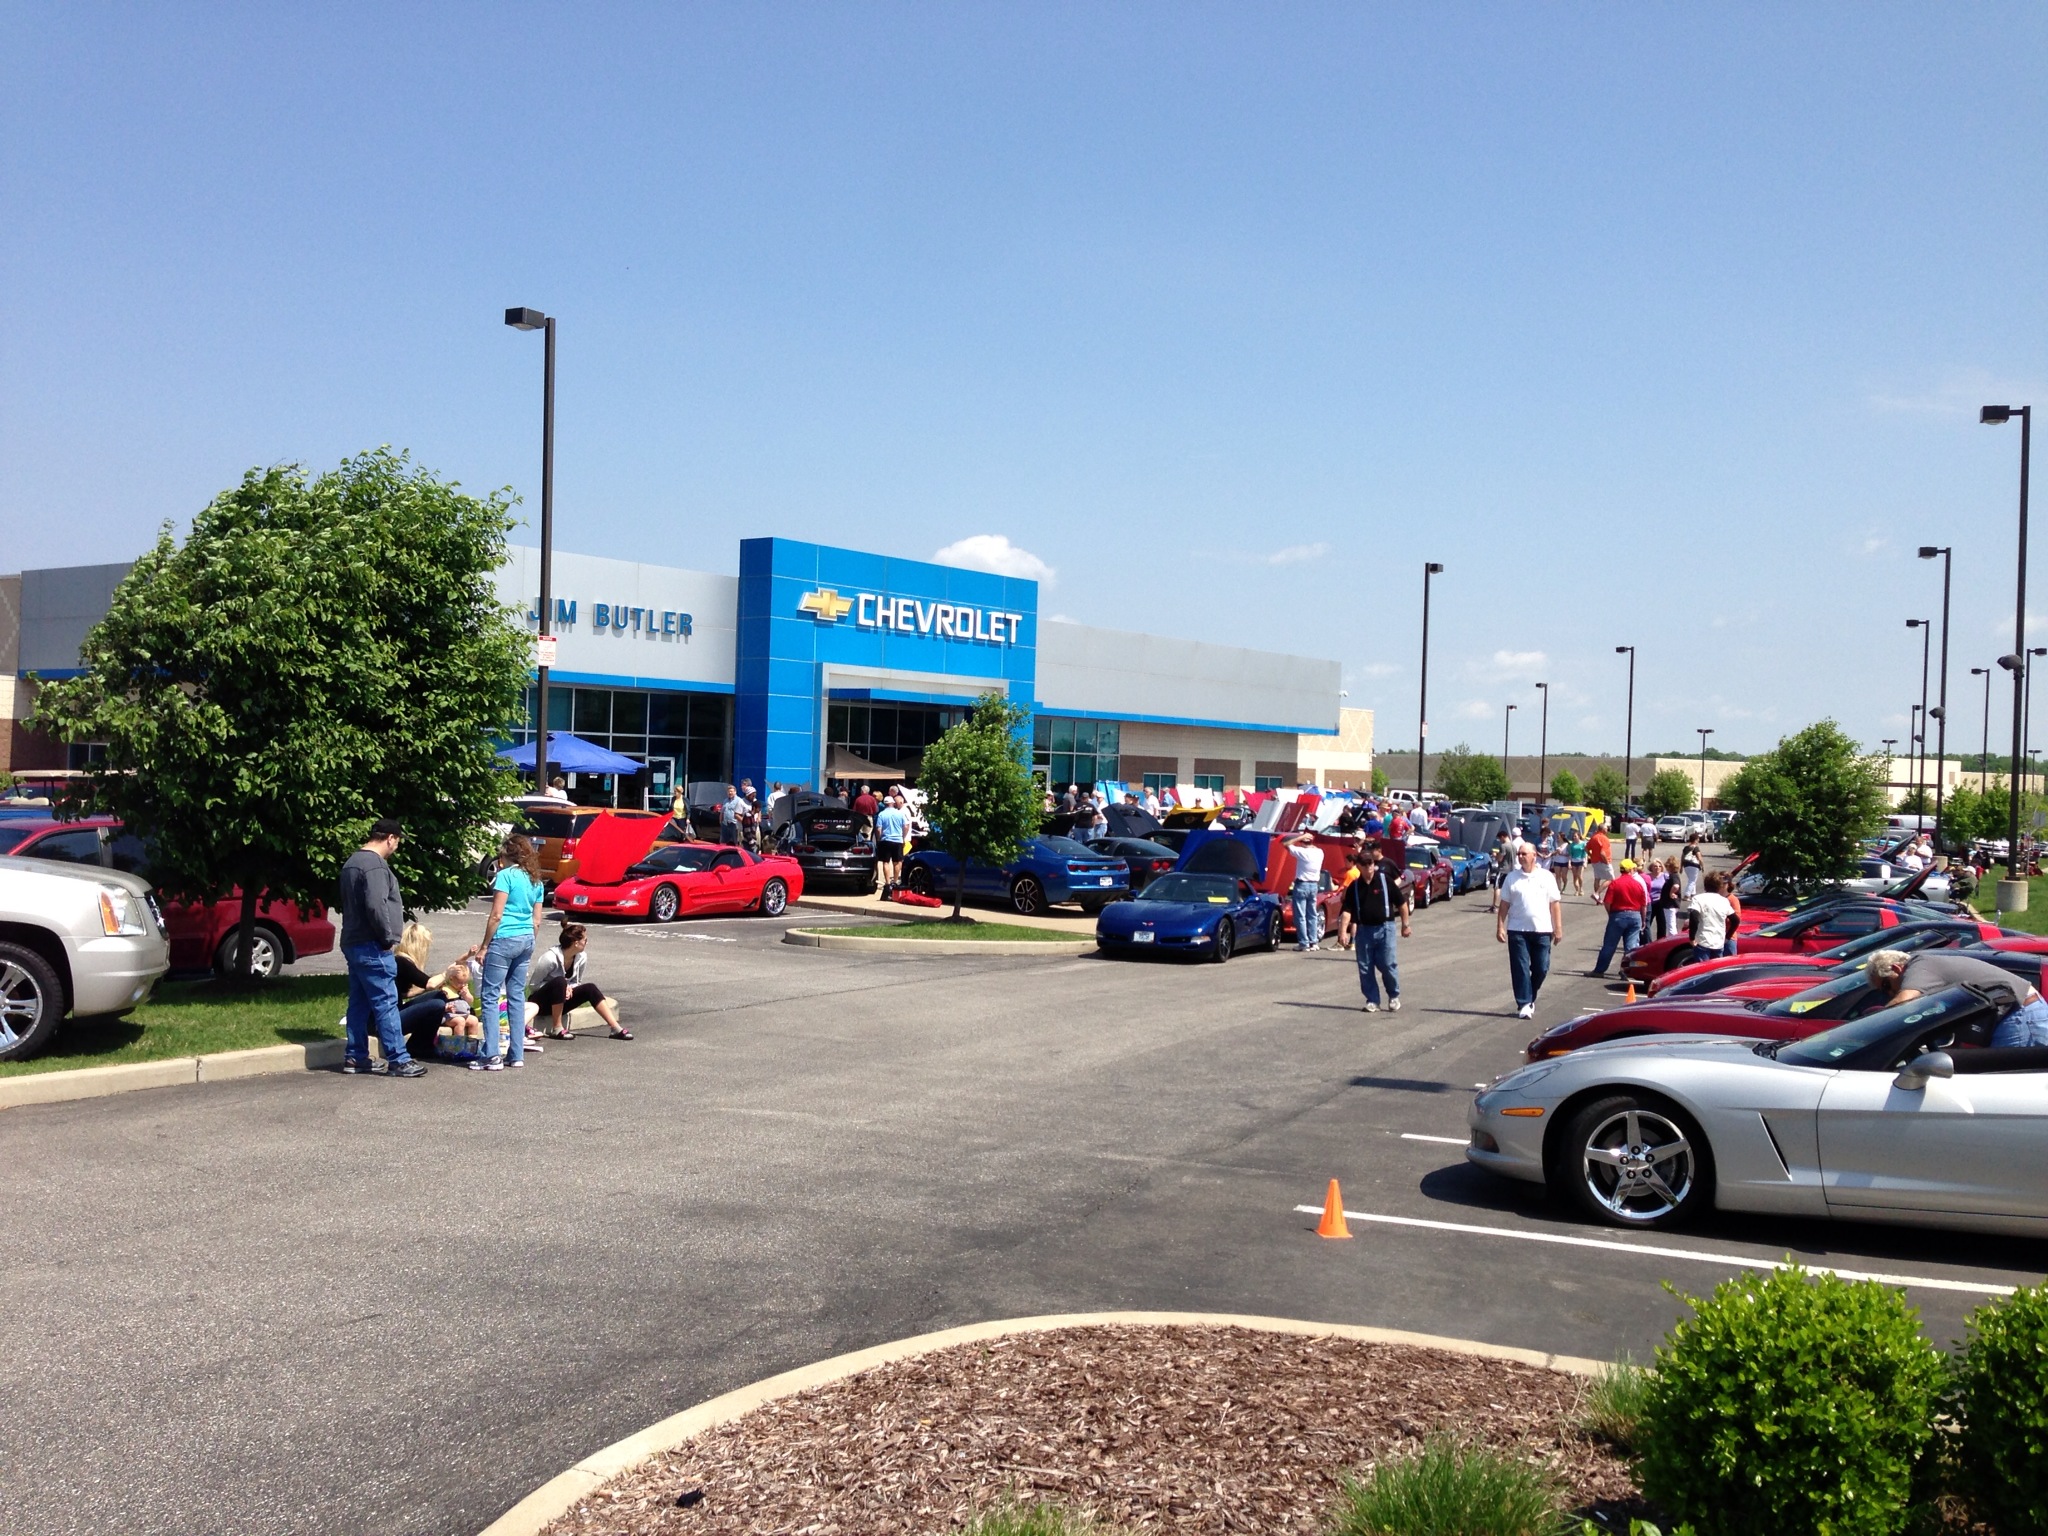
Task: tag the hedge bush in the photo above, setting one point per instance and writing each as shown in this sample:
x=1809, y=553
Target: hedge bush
x=2002, y=1392
x=1791, y=1403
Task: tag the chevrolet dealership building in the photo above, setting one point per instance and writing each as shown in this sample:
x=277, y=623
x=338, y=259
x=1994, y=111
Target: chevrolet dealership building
x=817, y=663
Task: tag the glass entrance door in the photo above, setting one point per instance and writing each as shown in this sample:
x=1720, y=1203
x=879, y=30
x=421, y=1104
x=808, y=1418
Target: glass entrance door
x=661, y=782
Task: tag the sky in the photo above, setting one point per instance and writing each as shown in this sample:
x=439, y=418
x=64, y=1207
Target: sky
x=1656, y=325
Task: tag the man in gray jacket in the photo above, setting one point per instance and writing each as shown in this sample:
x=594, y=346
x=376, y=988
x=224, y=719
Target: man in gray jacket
x=372, y=918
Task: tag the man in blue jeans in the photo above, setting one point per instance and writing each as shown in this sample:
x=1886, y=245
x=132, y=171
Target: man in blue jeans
x=1627, y=898
x=1377, y=901
x=1308, y=884
x=1531, y=920
x=372, y=918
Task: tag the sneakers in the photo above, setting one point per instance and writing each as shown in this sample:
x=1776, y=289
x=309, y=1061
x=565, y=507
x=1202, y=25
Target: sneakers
x=1393, y=1005
x=487, y=1064
x=1526, y=1011
x=353, y=1068
x=406, y=1068
x=1371, y=1008
x=519, y=1063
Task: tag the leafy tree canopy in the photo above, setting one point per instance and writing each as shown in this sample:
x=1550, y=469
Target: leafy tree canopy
x=1668, y=792
x=1806, y=806
x=318, y=653
x=1470, y=778
x=1606, y=789
x=1380, y=782
x=1565, y=787
x=980, y=797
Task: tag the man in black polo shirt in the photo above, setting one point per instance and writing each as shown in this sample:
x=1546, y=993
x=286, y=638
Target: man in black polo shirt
x=1377, y=901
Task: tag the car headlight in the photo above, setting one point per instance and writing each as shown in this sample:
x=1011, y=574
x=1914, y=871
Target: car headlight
x=122, y=912
x=1521, y=1079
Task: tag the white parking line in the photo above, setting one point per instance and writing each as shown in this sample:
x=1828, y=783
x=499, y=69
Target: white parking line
x=1733, y=1260
x=1449, y=1141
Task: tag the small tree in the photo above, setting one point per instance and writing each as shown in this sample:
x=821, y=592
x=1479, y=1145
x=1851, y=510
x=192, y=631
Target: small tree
x=1565, y=787
x=1917, y=802
x=979, y=794
x=1968, y=814
x=1806, y=806
x=1668, y=792
x=1380, y=782
x=1607, y=790
x=315, y=655
x=1470, y=778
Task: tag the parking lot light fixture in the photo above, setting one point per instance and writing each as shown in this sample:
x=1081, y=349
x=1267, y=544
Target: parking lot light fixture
x=1984, y=744
x=1543, y=751
x=1926, y=629
x=533, y=320
x=2012, y=892
x=1928, y=552
x=1507, y=719
x=1429, y=568
x=1705, y=731
x=2027, y=721
x=1887, y=742
x=1628, y=737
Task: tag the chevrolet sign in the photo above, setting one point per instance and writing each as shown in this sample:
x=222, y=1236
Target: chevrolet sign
x=909, y=616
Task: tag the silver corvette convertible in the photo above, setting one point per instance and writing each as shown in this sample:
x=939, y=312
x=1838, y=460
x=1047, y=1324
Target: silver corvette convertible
x=1902, y=1115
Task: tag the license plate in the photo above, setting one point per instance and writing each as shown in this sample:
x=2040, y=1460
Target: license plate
x=1107, y=880
x=833, y=864
x=582, y=901
x=1141, y=938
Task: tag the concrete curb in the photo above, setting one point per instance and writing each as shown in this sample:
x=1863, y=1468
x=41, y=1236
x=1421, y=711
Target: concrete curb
x=1052, y=948
x=557, y=1495
x=1082, y=925
x=171, y=1072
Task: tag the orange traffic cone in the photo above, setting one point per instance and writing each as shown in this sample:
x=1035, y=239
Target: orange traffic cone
x=1332, y=1224
x=1631, y=993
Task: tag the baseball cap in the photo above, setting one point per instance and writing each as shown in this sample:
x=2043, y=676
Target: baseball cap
x=1627, y=864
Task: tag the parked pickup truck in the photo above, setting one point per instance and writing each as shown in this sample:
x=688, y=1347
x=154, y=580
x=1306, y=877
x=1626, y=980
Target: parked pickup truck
x=73, y=940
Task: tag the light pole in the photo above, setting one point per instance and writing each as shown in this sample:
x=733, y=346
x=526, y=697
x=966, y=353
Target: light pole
x=1705, y=731
x=534, y=320
x=1984, y=746
x=1429, y=568
x=2012, y=895
x=1507, y=719
x=1926, y=629
x=1887, y=743
x=1628, y=739
x=1543, y=751
x=1928, y=552
x=2027, y=722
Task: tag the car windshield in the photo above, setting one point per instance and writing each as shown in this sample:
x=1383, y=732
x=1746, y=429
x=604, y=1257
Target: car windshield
x=1067, y=848
x=1198, y=890
x=11, y=835
x=1933, y=936
x=1880, y=1041
x=682, y=860
x=1813, y=997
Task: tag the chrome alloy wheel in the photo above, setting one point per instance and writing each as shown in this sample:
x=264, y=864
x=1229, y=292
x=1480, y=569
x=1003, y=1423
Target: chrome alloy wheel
x=1638, y=1166
x=21, y=1004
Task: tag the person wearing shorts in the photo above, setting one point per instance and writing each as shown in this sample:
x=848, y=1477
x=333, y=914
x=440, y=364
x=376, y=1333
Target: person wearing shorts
x=892, y=831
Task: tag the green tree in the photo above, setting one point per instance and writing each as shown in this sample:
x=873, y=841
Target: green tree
x=1565, y=788
x=317, y=654
x=1606, y=789
x=1380, y=782
x=1668, y=792
x=1806, y=806
x=1917, y=802
x=1470, y=778
x=979, y=795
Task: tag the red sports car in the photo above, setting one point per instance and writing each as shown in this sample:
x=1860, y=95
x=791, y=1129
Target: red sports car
x=620, y=873
x=1804, y=933
x=1706, y=976
x=1846, y=996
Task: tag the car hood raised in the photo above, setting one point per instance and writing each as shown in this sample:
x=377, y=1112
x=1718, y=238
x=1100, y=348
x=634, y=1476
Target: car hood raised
x=611, y=845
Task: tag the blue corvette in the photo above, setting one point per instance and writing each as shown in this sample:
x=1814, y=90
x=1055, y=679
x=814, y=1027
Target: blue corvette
x=1050, y=870
x=1468, y=869
x=1213, y=916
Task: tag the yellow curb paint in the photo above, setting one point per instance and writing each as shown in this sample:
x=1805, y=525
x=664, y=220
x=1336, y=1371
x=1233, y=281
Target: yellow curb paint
x=881, y=944
x=560, y=1493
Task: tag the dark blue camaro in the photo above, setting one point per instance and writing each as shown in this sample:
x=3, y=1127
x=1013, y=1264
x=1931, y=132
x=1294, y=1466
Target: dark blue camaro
x=1213, y=916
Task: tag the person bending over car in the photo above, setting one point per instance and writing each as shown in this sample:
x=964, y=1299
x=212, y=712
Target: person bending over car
x=1903, y=977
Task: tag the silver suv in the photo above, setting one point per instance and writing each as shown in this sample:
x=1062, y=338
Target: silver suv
x=78, y=941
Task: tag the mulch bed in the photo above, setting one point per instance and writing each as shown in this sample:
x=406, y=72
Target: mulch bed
x=1155, y=1429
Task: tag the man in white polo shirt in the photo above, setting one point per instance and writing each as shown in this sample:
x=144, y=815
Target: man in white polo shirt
x=1531, y=919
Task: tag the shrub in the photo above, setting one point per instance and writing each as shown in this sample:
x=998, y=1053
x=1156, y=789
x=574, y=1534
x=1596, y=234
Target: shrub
x=2003, y=1395
x=1791, y=1402
x=1613, y=1406
x=1448, y=1490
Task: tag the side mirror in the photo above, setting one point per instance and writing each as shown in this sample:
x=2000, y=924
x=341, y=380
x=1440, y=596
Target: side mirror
x=1920, y=1069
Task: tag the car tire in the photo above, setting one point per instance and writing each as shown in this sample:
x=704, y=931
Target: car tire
x=1226, y=941
x=919, y=879
x=31, y=1002
x=1634, y=1160
x=774, y=899
x=664, y=904
x=266, y=957
x=1027, y=896
x=1422, y=896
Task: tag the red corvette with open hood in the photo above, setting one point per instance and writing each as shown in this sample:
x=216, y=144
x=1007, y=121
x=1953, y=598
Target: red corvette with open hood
x=620, y=873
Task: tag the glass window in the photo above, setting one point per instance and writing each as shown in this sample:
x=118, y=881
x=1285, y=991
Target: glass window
x=1041, y=733
x=1266, y=781
x=1062, y=769
x=629, y=714
x=558, y=708
x=1084, y=770
x=593, y=713
x=1063, y=735
x=79, y=847
x=1105, y=768
x=1210, y=781
x=127, y=852
x=1084, y=736
x=1108, y=734
x=668, y=714
x=1158, y=781
x=85, y=754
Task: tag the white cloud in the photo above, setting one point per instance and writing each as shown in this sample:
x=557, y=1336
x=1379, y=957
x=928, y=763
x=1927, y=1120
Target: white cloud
x=1377, y=669
x=994, y=553
x=1475, y=709
x=1876, y=544
x=1294, y=554
x=1514, y=662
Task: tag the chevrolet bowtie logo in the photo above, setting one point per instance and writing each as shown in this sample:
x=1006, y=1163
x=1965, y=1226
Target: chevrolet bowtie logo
x=825, y=604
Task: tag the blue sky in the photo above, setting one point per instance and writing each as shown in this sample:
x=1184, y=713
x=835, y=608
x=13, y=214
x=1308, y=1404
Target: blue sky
x=1663, y=325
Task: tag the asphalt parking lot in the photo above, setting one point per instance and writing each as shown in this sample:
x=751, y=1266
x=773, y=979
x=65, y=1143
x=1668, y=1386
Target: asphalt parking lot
x=321, y=1304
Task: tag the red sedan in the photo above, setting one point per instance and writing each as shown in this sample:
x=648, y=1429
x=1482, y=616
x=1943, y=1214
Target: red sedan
x=202, y=933
x=1705, y=976
x=620, y=873
x=1804, y=933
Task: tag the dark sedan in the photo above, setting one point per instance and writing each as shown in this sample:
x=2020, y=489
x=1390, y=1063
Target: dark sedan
x=833, y=845
x=1148, y=860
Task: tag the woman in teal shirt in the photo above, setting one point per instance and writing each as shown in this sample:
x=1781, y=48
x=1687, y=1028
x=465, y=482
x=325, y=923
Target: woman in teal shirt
x=508, y=950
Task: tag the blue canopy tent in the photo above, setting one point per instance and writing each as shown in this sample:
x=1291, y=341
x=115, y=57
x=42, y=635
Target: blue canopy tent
x=572, y=754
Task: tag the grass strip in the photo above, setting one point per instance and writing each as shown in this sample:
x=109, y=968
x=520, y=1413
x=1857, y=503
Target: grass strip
x=2033, y=920
x=966, y=928
x=197, y=1018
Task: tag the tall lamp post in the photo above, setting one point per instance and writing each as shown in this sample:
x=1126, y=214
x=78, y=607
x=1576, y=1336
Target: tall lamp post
x=1984, y=746
x=2027, y=720
x=1628, y=739
x=1926, y=629
x=1429, y=568
x=1543, y=751
x=534, y=320
x=1928, y=552
x=1705, y=731
x=1887, y=743
x=2012, y=892
x=1507, y=719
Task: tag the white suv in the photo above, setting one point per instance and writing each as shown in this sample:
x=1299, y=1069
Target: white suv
x=72, y=940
